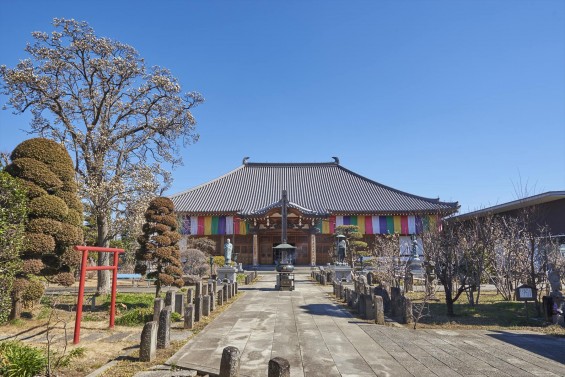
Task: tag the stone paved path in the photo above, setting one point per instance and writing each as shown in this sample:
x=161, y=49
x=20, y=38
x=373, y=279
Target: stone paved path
x=320, y=339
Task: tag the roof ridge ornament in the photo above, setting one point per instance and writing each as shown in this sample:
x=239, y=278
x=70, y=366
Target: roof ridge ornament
x=244, y=162
x=336, y=159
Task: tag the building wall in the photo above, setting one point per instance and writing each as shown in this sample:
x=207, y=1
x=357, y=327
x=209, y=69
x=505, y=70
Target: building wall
x=551, y=214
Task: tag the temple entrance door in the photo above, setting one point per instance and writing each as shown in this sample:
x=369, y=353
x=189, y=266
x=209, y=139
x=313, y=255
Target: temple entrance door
x=266, y=251
x=302, y=256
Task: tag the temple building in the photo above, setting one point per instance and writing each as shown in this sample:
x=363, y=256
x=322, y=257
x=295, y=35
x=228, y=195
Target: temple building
x=245, y=205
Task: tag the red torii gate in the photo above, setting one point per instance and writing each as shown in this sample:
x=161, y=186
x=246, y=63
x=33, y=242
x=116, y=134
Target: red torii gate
x=83, y=269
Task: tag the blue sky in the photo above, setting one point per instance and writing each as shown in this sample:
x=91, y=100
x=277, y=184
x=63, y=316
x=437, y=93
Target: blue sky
x=462, y=100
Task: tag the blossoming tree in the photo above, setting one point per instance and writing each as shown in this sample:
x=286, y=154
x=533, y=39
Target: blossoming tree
x=120, y=119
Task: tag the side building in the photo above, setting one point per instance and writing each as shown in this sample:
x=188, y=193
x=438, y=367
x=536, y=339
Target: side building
x=543, y=213
x=245, y=206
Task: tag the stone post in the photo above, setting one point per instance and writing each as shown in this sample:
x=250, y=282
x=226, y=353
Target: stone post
x=235, y=288
x=189, y=316
x=279, y=367
x=214, y=286
x=158, y=305
x=228, y=290
x=229, y=366
x=379, y=310
x=370, y=278
x=369, y=309
x=197, y=308
x=204, y=289
x=212, y=301
x=206, y=305
x=179, y=303
x=198, y=289
x=361, y=303
x=170, y=299
x=225, y=292
x=383, y=292
x=189, y=296
x=148, y=346
x=164, y=330
x=221, y=297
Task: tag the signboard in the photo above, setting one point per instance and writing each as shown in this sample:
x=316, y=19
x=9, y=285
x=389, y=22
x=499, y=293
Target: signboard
x=525, y=293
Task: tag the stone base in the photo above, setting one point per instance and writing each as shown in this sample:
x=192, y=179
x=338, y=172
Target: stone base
x=227, y=272
x=342, y=272
x=285, y=282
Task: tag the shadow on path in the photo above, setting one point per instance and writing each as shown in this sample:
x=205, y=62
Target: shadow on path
x=251, y=288
x=325, y=310
x=544, y=345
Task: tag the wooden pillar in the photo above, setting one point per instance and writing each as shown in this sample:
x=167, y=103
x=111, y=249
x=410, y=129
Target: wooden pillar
x=255, y=250
x=312, y=249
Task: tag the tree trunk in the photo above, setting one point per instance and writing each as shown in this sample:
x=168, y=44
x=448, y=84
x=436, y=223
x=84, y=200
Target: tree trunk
x=103, y=285
x=16, y=309
x=158, y=288
x=449, y=301
x=157, y=281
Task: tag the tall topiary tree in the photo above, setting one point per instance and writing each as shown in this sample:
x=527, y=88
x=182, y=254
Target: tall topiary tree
x=46, y=170
x=13, y=213
x=159, y=245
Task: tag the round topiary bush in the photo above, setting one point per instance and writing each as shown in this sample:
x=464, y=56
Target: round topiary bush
x=159, y=245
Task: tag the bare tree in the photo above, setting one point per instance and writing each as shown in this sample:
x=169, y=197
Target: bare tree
x=477, y=238
x=121, y=119
x=443, y=248
x=386, y=248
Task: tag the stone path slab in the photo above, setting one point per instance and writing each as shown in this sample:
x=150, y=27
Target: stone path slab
x=319, y=338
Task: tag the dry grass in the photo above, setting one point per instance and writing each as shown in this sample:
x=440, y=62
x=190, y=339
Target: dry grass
x=99, y=352
x=131, y=365
x=491, y=313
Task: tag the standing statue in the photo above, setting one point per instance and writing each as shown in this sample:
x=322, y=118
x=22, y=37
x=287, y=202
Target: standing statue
x=554, y=280
x=227, y=252
x=341, y=250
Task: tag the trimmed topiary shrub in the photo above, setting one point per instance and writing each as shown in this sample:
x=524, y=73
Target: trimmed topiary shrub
x=35, y=171
x=13, y=214
x=159, y=245
x=48, y=206
x=45, y=168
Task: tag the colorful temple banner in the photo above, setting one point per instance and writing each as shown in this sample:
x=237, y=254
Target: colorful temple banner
x=381, y=224
x=228, y=225
x=212, y=225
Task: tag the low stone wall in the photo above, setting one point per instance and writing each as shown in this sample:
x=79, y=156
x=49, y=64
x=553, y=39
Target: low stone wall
x=370, y=302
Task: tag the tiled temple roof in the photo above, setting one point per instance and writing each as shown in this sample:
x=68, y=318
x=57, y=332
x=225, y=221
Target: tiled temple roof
x=319, y=188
